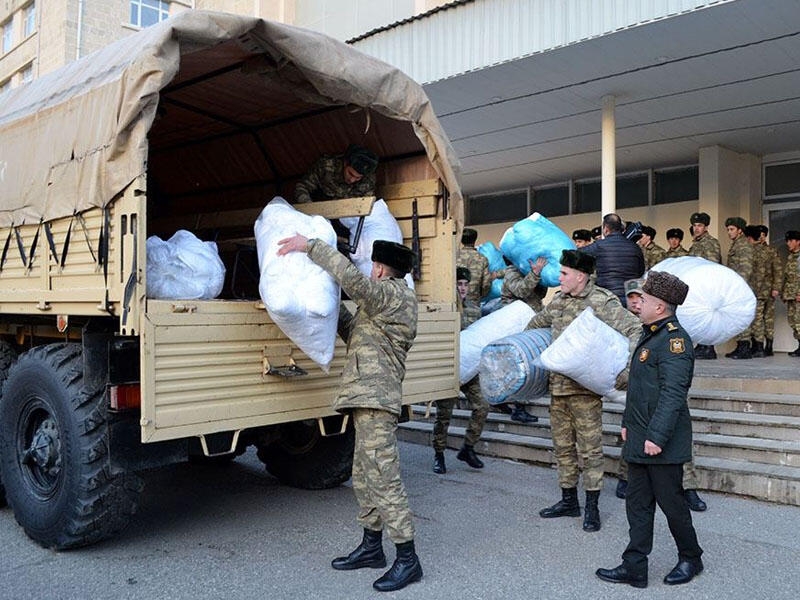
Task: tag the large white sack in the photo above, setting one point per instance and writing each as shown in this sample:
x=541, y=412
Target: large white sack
x=719, y=305
x=510, y=319
x=588, y=351
x=301, y=298
x=531, y=238
x=183, y=268
x=507, y=370
x=379, y=224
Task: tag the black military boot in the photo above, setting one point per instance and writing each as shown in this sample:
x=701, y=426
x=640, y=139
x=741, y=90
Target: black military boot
x=467, y=454
x=566, y=507
x=591, y=515
x=742, y=350
x=768, y=348
x=368, y=554
x=795, y=352
x=405, y=569
x=522, y=416
x=704, y=352
x=757, y=350
x=438, y=463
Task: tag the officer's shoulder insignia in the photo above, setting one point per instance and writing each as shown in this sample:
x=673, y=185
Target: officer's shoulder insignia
x=644, y=354
x=676, y=345
x=671, y=327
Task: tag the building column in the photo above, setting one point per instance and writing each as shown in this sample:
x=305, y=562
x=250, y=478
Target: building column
x=608, y=158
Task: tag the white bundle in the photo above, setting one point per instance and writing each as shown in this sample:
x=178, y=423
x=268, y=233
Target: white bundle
x=301, y=298
x=379, y=224
x=719, y=305
x=183, y=268
x=512, y=318
x=588, y=351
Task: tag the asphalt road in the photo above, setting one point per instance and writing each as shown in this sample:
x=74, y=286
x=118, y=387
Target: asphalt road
x=234, y=532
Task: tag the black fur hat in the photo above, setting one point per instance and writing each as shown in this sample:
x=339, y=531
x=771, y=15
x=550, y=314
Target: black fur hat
x=752, y=231
x=647, y=230
x=675, y=233
x=666, y=287
x=792, y=234
x=463, y=273
x=699, y=217
x=582, y=234
x=597, y=231
x=575, y=259
x=393, y=255
x=738, y=222
x=361, y=159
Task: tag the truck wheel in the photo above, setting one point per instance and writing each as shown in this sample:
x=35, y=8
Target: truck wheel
x=7, y=357
x=305, y=459
x=54, y=449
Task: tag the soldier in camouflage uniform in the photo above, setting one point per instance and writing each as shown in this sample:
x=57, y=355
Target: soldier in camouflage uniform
x=762, y=285
x=378, y=338
x=348, y=175
x=470, y=313
x=575, y=412
x=477, y=264
x=791, y=286
x=674, y=239
x=653, y=253
x=582, y=237
x=740, y=259
x=774, y=278
x=704, y=246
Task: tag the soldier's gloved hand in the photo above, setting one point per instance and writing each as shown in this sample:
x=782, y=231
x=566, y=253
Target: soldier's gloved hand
x=622, y=380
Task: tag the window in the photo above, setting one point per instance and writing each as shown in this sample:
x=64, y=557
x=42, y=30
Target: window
x=676, y=185
x=632, y=191
x=781, y=181
x=497, y=208
x=26, y=74
x=148, y=12
x=551, y=201
x=29, y=24
x=8, y=36
x=588, y=197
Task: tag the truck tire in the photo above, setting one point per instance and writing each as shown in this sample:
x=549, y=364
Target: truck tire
x=303, y=458
x=54, y=451
x=7, y=357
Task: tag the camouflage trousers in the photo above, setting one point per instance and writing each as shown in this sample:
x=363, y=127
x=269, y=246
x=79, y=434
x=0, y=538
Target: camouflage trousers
x=377, y=484
x=576, y=423
x=763, y=325
x=444, y=411
x=690, y=481
x=793, y=316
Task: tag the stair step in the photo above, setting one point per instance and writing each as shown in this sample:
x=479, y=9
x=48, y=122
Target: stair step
x=744, y=402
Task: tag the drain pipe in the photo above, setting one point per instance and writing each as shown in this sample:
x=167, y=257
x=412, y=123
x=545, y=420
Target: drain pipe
x=80, y=30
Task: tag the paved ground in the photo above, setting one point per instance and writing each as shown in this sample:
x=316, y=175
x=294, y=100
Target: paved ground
x=233, y=532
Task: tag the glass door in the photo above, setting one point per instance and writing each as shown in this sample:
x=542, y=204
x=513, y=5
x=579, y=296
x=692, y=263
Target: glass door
x=780, y=217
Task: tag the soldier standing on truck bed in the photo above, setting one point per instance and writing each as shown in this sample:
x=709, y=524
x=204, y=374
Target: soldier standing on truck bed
x=348, y=175
x=378, y=338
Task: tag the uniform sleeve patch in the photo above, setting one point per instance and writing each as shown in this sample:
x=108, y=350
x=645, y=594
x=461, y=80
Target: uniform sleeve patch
x=676, y=345
x=644, y=354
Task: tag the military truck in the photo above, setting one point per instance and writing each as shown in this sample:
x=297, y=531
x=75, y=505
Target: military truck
x=195, y=123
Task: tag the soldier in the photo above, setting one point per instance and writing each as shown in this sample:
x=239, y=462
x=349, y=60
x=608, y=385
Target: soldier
x=740, y=259
x=597, y=233
x=378, y=338
x=528, y=289
x=791, y=286
x=657, y=430
x=582, y=237
x=347, y=175
x=704, y=246
x=470, y=312
x=477, y=264
x=674, y=239
x=774, y=278
x=653, y=253
x=762, y=288
x=575, y=412
x=633, y=290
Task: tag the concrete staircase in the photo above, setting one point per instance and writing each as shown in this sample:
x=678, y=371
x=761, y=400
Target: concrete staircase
x=746, y=435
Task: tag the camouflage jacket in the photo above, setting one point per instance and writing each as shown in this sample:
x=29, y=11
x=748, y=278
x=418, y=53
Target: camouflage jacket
x=325, y=181
x=470, y=312
x=678, y=252
x=519, y=287
x=791, y=279
x=653, y=254
x=706, y=247
x=740, y=258
x=767, y=271
x=774, y=271
x=378, y=336
x=480, y=281
x=564, y=308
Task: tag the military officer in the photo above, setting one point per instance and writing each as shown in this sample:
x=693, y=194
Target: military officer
x=674, y=239
x=704, y=246
x=347, y=175
x=575, y=412
x=477, y=264
x=378, y=338
x=470, y=313
x=740, y=259
x=653, y=253
x=657, y=430
x=774, y=278
x=791, y=286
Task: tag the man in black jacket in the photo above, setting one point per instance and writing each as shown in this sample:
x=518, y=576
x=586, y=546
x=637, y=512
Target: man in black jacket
x=657, y=430
x=618, y=258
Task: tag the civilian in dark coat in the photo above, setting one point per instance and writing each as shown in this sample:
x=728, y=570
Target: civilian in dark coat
x=618, y=258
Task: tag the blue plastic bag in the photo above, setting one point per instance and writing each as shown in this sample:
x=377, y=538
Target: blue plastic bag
x=508, y=370
x=534, y=237
x=493, y=255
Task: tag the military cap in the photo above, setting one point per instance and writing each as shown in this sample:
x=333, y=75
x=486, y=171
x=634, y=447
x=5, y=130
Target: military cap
x=675, y=232
x=469, y=236
x=752, y=231
x=647, y=230
x=633, y=286
x=738, y=222
x=393, y=255
x=699, y=217
x=763, y=229
x=463, y=273
x=575, y=259
x=792, y=234
x=582, y=234
x=361, y=159
x=665, y=286
x=597, y=232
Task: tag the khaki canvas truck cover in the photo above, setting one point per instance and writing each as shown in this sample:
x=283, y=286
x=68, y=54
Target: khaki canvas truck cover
x=76, y=138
